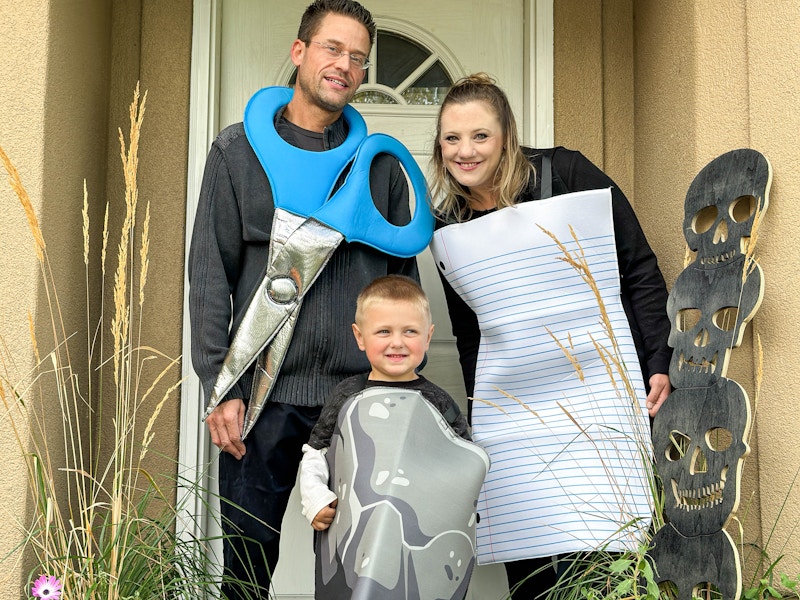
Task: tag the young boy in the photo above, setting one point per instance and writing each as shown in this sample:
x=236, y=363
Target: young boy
x=393, y=327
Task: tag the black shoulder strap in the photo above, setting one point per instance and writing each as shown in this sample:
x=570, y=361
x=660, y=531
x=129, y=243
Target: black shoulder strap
x=452, y=413
x=547, y=177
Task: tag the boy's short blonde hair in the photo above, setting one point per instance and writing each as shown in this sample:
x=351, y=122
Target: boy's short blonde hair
x=393, y=288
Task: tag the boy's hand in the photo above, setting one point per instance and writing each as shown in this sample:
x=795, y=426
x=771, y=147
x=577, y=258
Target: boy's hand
x=324, y=517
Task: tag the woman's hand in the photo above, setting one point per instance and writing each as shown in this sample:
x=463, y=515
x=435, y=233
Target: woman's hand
x=659, y=390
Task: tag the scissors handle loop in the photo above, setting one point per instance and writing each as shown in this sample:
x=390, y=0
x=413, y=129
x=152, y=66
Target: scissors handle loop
x=300, y=179
x=352, y=211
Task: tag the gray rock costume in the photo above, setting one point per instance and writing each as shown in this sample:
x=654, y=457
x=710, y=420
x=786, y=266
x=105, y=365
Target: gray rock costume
x=407, y=488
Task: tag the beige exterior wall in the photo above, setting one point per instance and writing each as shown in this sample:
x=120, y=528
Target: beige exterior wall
x=52, y=126
x=21, y=133
x=152, y=44
x=730, y=83
x=773, y=116
x=68, y=73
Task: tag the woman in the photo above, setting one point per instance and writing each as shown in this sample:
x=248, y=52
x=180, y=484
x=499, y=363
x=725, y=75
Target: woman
x=481, y=169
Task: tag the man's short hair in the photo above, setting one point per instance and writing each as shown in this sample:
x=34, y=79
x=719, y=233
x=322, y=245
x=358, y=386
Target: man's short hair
x=317, y=10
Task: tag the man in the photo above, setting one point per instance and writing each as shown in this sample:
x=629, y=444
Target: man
x=228, y=257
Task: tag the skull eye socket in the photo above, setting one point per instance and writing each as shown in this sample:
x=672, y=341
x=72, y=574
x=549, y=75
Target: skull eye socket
x=719, y=439
x=678, y=446
x=704, y=219
x=743, y=208
x=725, y=318
x=687, y=319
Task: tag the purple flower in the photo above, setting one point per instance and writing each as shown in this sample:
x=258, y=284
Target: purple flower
x=46, y=588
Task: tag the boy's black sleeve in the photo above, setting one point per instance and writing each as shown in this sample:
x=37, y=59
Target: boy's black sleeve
x=323, y=431
x=459, y=424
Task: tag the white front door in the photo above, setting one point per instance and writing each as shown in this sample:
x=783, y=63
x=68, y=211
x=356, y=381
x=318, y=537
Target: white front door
x=241, y=46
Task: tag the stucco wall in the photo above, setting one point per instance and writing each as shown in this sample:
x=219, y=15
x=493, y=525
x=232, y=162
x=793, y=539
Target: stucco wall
x=593, y=83
x=773, y=115
x=21, y=133
x=69, y=70
x=151, y=44
x=52, y=125
x=723, y=87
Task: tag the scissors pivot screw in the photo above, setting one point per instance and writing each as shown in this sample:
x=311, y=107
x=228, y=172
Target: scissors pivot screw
x=283, y=290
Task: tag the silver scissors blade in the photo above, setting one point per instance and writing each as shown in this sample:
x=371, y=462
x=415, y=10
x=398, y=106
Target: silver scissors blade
x=299, y=250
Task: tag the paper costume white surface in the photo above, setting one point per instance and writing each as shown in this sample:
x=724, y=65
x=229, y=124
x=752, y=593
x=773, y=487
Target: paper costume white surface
x=567, y=467
x=407, y=487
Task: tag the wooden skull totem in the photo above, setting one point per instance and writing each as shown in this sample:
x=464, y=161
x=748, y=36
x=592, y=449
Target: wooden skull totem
x=695, y=564
x=700, y=432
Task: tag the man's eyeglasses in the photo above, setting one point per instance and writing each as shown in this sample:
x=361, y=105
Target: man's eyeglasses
x=357, y=60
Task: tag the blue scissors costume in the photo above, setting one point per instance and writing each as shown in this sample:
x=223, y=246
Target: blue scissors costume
x=310, y=222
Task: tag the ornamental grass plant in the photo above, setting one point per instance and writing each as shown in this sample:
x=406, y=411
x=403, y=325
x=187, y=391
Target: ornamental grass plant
x=605, y=574
x=101, y=525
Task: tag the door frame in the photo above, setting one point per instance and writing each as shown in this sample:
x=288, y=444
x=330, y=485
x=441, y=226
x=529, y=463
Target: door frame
x=195, y=450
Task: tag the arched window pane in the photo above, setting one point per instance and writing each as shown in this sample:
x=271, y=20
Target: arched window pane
x=397, y=58
x=373, y=97
x=430, y=89
x=436, y=76
x=426, y=96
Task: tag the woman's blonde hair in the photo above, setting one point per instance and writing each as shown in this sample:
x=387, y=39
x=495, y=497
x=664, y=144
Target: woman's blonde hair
x=514, y=171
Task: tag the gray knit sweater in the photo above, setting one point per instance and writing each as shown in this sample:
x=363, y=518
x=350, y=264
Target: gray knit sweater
x=228, y=256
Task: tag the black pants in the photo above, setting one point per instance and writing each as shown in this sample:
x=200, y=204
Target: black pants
x=254, y=493
x=551, y=569
x=531, y=578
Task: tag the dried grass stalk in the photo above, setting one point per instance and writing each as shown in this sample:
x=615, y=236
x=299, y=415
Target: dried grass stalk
x=22, y=194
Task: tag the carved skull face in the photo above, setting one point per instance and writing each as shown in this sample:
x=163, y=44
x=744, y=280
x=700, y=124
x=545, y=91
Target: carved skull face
x=721, y=205
x=697, y=563
x=699, y=441
x=708, y=309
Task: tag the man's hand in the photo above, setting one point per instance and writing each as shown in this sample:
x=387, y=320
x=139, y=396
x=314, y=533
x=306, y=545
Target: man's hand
x=659, y=390
x=324, y=517
x=225, y=424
